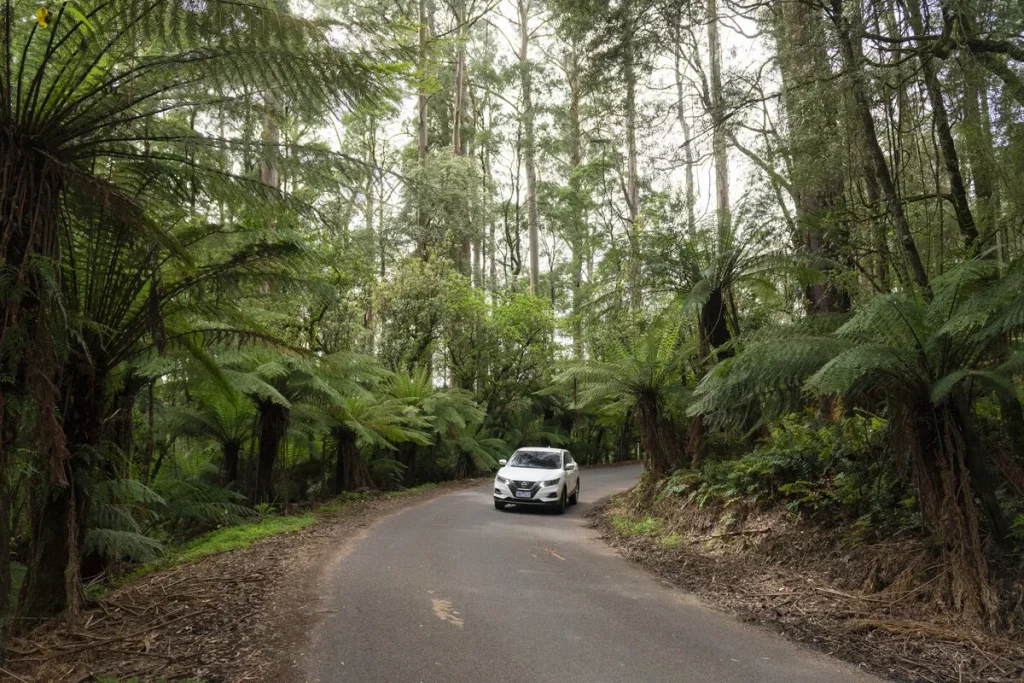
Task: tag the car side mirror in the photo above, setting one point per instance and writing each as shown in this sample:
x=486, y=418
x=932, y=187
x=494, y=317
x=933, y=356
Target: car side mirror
x=571, y=466
x=503, y=462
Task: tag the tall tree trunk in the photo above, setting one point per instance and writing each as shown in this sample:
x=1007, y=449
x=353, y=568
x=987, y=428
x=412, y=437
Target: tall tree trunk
x=981, y=155
x=578, y=226
x=810, y=101
x=879, y=232
x=529, y=151
x=464, y=257
x=947, y=147
x=270, y=169
x=421, y=128
x=719, y=139
x=273, y=424
x=632, y=167
x=852, y=59
x=421, y=99
x=684, y=125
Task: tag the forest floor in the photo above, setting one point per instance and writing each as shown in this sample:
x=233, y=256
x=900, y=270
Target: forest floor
x=776, y=571
x=229, y=616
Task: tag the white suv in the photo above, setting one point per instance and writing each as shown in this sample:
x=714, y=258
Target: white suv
x=537, y=476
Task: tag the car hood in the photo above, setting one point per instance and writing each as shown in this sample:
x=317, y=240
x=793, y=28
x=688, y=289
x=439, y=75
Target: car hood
x=528, y=473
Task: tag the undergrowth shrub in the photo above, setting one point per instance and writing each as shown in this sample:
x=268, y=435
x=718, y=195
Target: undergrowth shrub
x=836, y=472
x=134, y=522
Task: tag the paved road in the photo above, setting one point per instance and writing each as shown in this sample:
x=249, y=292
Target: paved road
x=454, y=591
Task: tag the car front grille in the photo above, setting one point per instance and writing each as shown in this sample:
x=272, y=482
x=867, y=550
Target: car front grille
x=532, y=486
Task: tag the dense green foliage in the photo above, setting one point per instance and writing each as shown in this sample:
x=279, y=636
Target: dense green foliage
x=238, y=276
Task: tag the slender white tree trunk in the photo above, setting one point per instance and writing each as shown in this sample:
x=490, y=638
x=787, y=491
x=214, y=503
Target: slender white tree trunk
x=528, y=144
x=719, y=137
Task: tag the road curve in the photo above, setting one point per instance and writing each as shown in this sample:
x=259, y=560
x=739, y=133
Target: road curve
x=454, y=591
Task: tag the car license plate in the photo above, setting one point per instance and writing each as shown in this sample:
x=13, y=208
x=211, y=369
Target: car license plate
x=524, y=494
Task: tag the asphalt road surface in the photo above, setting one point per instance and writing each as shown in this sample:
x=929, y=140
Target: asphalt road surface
x=454, y=591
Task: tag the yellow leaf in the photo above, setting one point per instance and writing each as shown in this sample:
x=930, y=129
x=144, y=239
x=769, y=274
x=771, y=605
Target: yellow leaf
x=43, y=17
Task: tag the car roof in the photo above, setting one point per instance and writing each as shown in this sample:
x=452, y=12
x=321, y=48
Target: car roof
x=540, y=448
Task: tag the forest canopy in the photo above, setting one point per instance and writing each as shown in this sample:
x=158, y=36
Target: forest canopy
x=256, y=256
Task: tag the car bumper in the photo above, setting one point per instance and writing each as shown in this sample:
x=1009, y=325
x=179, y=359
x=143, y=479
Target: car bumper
x=548, y=495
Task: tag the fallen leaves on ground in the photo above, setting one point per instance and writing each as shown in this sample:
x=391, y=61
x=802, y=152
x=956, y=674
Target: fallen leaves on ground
x=793, y=578
x=235, y=616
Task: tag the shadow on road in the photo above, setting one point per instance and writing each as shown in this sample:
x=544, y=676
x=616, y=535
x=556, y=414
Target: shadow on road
x=570, y=511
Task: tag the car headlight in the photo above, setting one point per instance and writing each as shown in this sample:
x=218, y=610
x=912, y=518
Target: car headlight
x=551, y=482
x=501, y=479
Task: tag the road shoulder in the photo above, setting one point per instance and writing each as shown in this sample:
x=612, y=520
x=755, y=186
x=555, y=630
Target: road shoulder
x=237, y=615
x=796, y=590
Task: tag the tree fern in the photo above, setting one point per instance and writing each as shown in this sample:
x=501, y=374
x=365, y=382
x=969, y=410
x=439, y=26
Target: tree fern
x=639, y=380
x=928, y=362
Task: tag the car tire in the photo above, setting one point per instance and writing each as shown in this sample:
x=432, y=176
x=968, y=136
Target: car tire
x=562, y=500
x=575, y=497
x=498, y=505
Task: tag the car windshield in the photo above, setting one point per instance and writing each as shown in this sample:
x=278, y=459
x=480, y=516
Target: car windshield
x=542, y=460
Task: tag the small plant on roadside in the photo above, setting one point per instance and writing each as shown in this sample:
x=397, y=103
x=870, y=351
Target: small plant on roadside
x=670, y=541
x=264, y=509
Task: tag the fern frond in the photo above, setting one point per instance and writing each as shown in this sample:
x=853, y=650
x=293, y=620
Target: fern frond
x=124, y=545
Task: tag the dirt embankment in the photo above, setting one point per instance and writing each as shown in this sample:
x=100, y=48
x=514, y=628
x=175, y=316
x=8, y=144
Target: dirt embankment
x=229, y=617
x=870, y=604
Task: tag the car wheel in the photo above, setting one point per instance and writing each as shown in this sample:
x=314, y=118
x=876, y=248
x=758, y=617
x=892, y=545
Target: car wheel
x=498, y=505
x=575, y=497
x=560, y=508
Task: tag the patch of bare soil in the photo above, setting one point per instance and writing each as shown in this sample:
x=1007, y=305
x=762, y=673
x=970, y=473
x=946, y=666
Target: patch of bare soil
x=872, y=605
x=231, y=617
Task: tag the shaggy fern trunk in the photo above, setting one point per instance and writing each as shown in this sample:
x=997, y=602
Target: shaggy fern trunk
x=273, y=420
x=8, y=433
x=714, y=326
x=30, y=205
x=657, y=437
x=714, y=337
x=230, y=451
x=938, y=453
x=407, y=456
x=52, y=584
x=350, y=470
x=61, y=505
